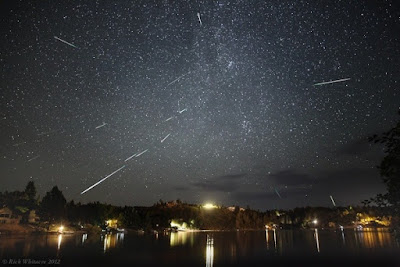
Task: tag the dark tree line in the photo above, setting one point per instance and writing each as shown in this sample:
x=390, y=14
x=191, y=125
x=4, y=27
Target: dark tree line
x=390, y=166
x=54, y=208
x=390, y=172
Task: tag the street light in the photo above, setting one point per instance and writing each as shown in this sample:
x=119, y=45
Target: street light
x=315, y=221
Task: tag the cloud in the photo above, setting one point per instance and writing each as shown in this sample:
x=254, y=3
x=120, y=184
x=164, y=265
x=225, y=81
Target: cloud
x=290, y=178
x=269, y=195
x=254, y=196
x=356, y=147
x=223, y=183
x=232, y=176
x=347, y=177
x=181, y=188
x=216, y=186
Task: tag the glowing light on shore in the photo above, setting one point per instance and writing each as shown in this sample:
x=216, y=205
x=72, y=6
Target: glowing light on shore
x=179, y=226
x=209, y=206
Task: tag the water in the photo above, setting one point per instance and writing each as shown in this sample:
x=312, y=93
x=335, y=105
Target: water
x=243, y=248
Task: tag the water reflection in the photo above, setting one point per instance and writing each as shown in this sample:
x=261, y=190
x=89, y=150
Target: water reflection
x=84, y=238
x=343, y=239
x=231, y=247
x=274, y=239
x=210, y=251
x=59, y=240
x=181, y=238
x=316, y=236
x=370, y=238
x=112, y=240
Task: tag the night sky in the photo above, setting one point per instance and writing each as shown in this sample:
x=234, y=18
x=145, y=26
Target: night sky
x=221, y=94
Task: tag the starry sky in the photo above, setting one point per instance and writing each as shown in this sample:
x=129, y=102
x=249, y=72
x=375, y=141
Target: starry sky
x=220, y=95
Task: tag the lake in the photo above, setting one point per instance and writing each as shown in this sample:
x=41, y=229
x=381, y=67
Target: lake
x=243, y=248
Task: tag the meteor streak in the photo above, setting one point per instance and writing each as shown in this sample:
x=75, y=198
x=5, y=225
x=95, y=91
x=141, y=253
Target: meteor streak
x=335, y=81
x=98, y=127
x=333, y=201
x=279, y=195
x=33, y=158
x=198, y=16
x=130, y=157
x=141, y=153
x=165, y=137
x=102, y=180
x=65, y=42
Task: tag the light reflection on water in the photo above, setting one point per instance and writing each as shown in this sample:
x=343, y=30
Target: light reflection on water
x=84, y=238
x=59, y=240
x=209, y=248
x=111, y=241
x=182, y=238
x=317, y=239
x=210, y=251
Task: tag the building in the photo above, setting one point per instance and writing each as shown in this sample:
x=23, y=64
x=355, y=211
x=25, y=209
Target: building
x=233, y=208
x=7, y=216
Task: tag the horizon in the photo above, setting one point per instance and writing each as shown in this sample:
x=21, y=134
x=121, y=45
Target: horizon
x=218, y=205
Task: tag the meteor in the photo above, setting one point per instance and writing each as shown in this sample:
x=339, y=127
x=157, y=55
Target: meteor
x=165, y=138
x=130, y=157
x=98, y=127
x=279, y=195
x=333, y=201
x=141, y=153
x=33, y=158
x=329, y=82
x=198, y=16
x=102, y=180
x=170, y=118
x=65, y=42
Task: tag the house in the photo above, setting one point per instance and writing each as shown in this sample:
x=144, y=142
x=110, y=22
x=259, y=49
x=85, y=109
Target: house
x=7, y=216
x=233, y=208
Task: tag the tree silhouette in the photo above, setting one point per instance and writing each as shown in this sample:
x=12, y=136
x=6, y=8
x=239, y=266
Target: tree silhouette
x=30, y=192
x=53, y=205
x=390, y=166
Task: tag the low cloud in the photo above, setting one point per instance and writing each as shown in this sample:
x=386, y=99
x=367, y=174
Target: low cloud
x=290, y=178
x=232, y=176
x=224, y=183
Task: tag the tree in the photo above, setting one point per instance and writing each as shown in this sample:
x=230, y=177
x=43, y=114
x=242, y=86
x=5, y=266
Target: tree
x=53, y=205
x=390, y=166
x=30, y=192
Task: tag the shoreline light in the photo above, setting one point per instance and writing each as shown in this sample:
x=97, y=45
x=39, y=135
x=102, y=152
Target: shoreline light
x=209, y=206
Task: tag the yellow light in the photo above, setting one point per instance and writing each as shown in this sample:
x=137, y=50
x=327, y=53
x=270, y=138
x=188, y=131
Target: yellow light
x=175, y=224
x=209, y=206
x=112, y=223
x=179, y=226
x=61, y=229
x=59, y=241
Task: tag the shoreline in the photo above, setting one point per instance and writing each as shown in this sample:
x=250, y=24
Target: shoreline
x=27, y=229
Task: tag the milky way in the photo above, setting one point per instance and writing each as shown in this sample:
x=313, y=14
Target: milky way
x=266, y=103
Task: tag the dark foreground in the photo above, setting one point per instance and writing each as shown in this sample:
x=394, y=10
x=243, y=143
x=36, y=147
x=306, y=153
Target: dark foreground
x=244, y=248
